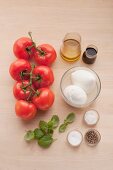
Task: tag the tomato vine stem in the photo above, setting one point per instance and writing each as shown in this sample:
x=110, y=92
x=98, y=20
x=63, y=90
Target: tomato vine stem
x=24, y=87
x=42, y=53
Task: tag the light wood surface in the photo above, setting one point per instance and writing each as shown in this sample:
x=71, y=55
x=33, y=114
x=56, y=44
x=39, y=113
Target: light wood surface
x=49, y=20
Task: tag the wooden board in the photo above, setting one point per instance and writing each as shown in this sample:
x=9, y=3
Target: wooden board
x=49, y=21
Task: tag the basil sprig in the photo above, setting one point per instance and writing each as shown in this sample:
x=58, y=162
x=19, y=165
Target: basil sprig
x=69, y=119
x=43, y=134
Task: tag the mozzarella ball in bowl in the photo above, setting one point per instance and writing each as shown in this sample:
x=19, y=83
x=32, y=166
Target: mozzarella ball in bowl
x=84, y=79
x=80, y=86
x=76, y=95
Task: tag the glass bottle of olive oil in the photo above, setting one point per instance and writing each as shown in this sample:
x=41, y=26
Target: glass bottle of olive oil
x=71, y=47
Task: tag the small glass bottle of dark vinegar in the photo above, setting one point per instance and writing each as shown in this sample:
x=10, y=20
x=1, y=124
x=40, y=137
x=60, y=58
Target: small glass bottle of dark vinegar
x=90, y=54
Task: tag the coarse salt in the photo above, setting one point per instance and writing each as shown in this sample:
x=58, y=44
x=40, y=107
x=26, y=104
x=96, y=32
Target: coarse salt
x=91, y=117
x=74, y=138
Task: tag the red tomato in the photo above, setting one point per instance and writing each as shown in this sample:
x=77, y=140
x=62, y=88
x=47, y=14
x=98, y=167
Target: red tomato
x=23, y=48
x=25, y=110
x=18, y=67
x=20, y=92
x=47, y=56
x=43, y=76
x=44, y=100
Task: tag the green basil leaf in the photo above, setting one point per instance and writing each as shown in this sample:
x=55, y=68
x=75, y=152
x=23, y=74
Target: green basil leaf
x=50, y=132
x=50, y=124
x=55, y=121
x=45, y=141
x=29, y=135
x=70, y=118
x=38, y=133
x=62, y=128
x=43, y=126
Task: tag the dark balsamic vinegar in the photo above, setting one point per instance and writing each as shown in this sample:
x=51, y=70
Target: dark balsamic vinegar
x=89, y=56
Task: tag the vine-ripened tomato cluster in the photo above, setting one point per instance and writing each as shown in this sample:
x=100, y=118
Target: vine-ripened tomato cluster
x=31, y=88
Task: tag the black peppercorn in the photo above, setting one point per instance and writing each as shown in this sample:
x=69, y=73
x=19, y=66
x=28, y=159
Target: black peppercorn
x=92, y=137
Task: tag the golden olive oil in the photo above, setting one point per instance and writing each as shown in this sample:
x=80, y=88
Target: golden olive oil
x=71, y=50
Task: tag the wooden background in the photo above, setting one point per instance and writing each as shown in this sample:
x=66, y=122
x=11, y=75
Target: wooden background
x=49, y=21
